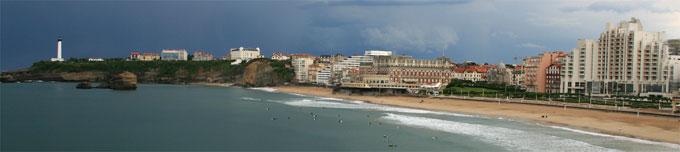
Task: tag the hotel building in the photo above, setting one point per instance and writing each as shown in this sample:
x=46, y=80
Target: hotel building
x=630, y=60
x=400, y=72
x=244, y=54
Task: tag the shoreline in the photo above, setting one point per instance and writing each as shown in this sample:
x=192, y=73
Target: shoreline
x=212, y=84
x=652, y=128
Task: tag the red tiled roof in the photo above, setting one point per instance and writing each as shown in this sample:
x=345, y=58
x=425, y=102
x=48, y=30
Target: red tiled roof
x=459, y=70
x=134, y=53
x=471, y=69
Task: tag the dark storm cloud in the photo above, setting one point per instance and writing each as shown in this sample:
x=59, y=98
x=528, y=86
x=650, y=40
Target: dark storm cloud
x=479, y=30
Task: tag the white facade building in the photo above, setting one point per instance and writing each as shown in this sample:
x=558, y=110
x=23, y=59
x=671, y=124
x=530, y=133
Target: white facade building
x=300, y=65
x=244, y=54
x=579, y=67
x=377, y=53
x=631, y=59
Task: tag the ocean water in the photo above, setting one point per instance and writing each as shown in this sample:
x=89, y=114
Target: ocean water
x=56, y=116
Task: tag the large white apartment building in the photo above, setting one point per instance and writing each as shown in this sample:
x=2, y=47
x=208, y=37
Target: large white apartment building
x=625, y=60
x=300, y=63
x=579, y=67
x=630, y=60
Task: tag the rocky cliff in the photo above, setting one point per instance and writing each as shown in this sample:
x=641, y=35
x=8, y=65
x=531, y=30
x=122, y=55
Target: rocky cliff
x=123, y=81
x=259, y=74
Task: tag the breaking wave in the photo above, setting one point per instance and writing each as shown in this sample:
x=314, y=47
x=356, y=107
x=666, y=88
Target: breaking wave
x=264, y=89
x=514, y=140
x=365, y=106
x=298, y=94
x=251, y=99
x=330, y=99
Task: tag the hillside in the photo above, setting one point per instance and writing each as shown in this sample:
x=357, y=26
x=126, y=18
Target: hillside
x=168, y=72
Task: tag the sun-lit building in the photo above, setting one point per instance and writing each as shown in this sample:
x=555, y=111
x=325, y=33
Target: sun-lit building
x=149, y=57
x=202, y=56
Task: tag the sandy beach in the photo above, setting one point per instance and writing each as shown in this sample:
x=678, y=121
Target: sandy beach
x=653, y=128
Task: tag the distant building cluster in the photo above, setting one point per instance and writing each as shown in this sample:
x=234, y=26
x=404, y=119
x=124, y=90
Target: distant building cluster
x=237, y=54
x=625, y=60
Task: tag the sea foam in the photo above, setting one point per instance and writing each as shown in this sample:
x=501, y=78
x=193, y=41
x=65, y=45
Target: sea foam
x=676, y=146
x=330, y=99
x=365, y=106
x=264, y=89
x=514, y=140
x=251, y=99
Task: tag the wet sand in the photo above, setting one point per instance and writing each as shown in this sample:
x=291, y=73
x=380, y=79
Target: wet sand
x=653, y=128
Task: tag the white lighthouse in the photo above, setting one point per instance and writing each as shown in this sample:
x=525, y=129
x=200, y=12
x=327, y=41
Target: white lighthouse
x=58, y=51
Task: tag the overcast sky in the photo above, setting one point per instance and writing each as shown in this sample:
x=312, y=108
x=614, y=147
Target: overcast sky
x=465, y=30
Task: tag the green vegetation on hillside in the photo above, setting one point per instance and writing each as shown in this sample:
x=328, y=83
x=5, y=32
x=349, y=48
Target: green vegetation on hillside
x=165, y=68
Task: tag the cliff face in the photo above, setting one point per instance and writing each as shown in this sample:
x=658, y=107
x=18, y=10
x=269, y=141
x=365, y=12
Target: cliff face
x=259, y=74
x=123, y=81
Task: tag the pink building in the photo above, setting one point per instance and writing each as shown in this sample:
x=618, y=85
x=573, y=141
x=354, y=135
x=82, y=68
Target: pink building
x=535, y=70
